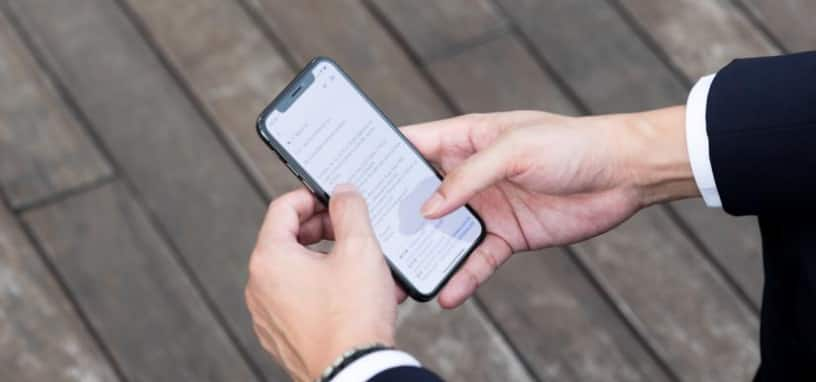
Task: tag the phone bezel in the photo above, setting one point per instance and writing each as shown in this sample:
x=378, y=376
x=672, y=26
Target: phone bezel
x=324, y=196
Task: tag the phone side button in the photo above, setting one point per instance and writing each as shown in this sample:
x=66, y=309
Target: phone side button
x=295, y=173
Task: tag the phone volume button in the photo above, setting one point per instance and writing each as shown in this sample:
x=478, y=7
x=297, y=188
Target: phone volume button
x=291, y=169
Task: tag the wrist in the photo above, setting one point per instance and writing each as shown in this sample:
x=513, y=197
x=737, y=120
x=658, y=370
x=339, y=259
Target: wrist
x=328, y=354
x=656, y=155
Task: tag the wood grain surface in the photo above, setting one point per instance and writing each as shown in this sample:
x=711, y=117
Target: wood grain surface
x=135, y=294
x=234, y=71
x=43, y=151
x=197, y=193
x=42, y=336
x=790, y=21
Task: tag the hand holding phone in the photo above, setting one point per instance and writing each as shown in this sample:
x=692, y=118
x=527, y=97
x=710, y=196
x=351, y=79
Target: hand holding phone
x=308, y=307
x=328, y=132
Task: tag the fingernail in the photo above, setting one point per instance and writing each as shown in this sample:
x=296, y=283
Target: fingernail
x=344, y=187
x=432, y=205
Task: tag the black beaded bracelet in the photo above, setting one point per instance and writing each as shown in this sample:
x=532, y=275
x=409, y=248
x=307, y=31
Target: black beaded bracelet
x=347, y=358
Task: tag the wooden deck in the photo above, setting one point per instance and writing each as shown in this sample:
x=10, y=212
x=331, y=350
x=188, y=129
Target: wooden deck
x=133, y=182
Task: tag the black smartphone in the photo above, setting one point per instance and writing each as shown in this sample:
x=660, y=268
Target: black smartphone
x=328, y=132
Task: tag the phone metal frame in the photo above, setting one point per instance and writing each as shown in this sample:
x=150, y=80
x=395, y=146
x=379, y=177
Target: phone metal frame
x=301, y=81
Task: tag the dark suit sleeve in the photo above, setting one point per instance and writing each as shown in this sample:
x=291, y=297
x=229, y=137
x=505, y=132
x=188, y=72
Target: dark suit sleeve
x=761, y=124
x=406, y=374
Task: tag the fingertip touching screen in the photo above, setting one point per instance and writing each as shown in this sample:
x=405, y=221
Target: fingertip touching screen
x=337, y=136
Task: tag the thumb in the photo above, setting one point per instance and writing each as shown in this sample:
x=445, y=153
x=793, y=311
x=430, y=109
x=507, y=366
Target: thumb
x=475, y=174
x=349, y=215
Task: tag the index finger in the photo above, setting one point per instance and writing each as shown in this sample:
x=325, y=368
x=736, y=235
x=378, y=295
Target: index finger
x=428, y=136
x=286, y=214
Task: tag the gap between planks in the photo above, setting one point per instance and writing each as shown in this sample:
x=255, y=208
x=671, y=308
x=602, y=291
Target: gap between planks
x=83, y=120
x=60, y=280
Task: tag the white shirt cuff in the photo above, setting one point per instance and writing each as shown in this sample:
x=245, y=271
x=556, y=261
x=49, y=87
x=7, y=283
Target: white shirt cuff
x=697, y=141
x=372, y=364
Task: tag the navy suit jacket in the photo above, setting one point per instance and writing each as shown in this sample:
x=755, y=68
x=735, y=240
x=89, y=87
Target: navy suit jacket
x=761, y=123
x=406, y=374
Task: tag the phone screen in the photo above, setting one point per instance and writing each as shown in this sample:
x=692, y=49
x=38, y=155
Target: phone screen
x=336, y=135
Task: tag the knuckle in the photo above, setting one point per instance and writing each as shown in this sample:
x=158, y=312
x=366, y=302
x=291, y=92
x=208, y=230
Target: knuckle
x=489, y=259
x=474, y=280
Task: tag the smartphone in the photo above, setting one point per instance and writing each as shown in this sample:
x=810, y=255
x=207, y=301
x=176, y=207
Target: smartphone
x=328, y=132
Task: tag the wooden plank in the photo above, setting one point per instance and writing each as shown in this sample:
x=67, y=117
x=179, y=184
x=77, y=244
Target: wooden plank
x=188, y=182
x=447, y=341
x=470, y=60
x=681, y=303
x=41, y=335
x=790, y=21
x=347, y=32
x=689, y=356
x=735, y=242
x=432, y=36
x=132, y=290
x=596, y=53
x=699, y=36
x=564, y=328
x=235, y=72
x=42, y=149
x=499, y=75
x=231, y=72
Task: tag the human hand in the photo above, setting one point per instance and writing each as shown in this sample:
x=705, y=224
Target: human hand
x=540, y=180
x=309, y=307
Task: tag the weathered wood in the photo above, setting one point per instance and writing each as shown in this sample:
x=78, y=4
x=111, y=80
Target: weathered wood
x=472, y=53
x=134, y=293
x=790, y=21
x=696, y=281
x=233, y=69
x=680, y=302
x=347, y=32
x=475, y=54
x=561, y=325
x=432, y=35
x=499, y=75
x=197, y=193
x=41, y=335
x=733, y=241
x=596, y=53
x=459, y=345
x=42, y=149
x=699, y=36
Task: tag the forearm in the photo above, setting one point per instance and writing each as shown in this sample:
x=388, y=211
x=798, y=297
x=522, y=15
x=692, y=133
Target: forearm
x=654, y=154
